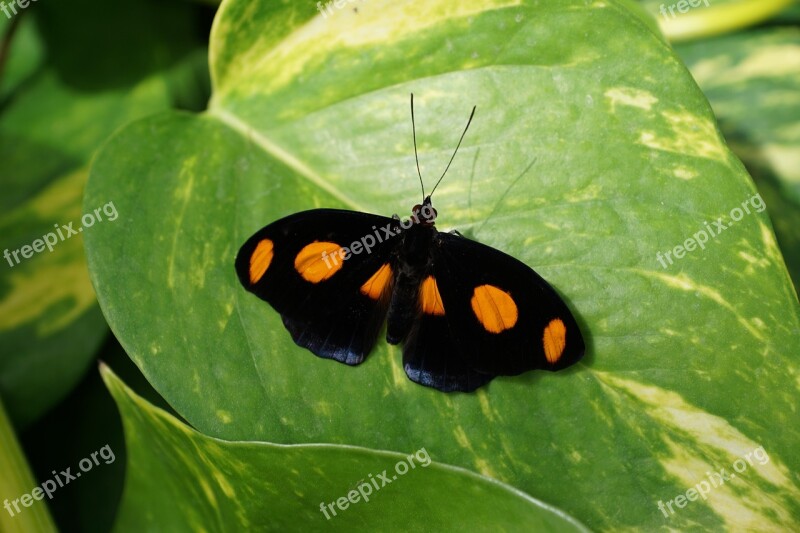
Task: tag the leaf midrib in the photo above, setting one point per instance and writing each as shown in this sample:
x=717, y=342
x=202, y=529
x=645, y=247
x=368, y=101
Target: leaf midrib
x=250, y=133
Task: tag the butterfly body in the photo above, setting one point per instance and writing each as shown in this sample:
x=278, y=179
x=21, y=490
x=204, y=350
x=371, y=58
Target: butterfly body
x=412, y=261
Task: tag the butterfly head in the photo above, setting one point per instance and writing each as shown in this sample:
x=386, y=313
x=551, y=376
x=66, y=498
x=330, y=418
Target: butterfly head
x=424, y=213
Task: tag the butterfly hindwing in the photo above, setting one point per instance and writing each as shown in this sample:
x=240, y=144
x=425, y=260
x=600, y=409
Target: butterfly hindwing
x=333, y=303
x=431, y=357
x=504, y=319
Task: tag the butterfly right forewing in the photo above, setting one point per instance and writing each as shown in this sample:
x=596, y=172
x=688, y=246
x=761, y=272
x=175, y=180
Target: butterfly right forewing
x=502, y=315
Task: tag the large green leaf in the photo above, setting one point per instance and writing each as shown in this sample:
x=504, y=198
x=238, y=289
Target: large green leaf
x=50, y=324
x=753, y=82
x=181, y=480
x=688, y=367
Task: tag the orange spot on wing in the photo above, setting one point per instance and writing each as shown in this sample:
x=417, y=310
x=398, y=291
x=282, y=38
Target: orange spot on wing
x=260, y=260
x=375, y=285
x=319, y=261
x=554, y=340
x=429, y=297
x=494, y=308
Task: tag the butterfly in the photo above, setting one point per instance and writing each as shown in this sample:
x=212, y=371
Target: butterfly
x=463, y=311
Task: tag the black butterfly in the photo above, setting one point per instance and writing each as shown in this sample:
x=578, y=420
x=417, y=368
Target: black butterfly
x=464, y=311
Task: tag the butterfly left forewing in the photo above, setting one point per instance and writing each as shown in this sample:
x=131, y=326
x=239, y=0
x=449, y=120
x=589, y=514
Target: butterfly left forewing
x=333, y=306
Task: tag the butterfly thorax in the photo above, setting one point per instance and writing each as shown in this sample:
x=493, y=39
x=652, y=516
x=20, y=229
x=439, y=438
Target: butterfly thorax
x=412, y=264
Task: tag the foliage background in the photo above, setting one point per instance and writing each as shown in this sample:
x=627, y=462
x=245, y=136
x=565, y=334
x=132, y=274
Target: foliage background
x=74, y=74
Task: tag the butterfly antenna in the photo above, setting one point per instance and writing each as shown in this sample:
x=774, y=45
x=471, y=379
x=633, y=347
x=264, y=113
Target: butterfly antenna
x=456, y=150
x=414, y=133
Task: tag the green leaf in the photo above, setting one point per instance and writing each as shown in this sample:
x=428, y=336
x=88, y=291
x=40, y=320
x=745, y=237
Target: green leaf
x=141, y=39
x=753, y=82
x=688, y=367
x=85, y=421
x=24, y=53
x=790, y=15
x=50, y=324
x=181, y=480
x=16, y=481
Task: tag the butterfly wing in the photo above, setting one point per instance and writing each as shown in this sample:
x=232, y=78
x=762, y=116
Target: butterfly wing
x=498, y=317
x=328, y=273
x=432, y=357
